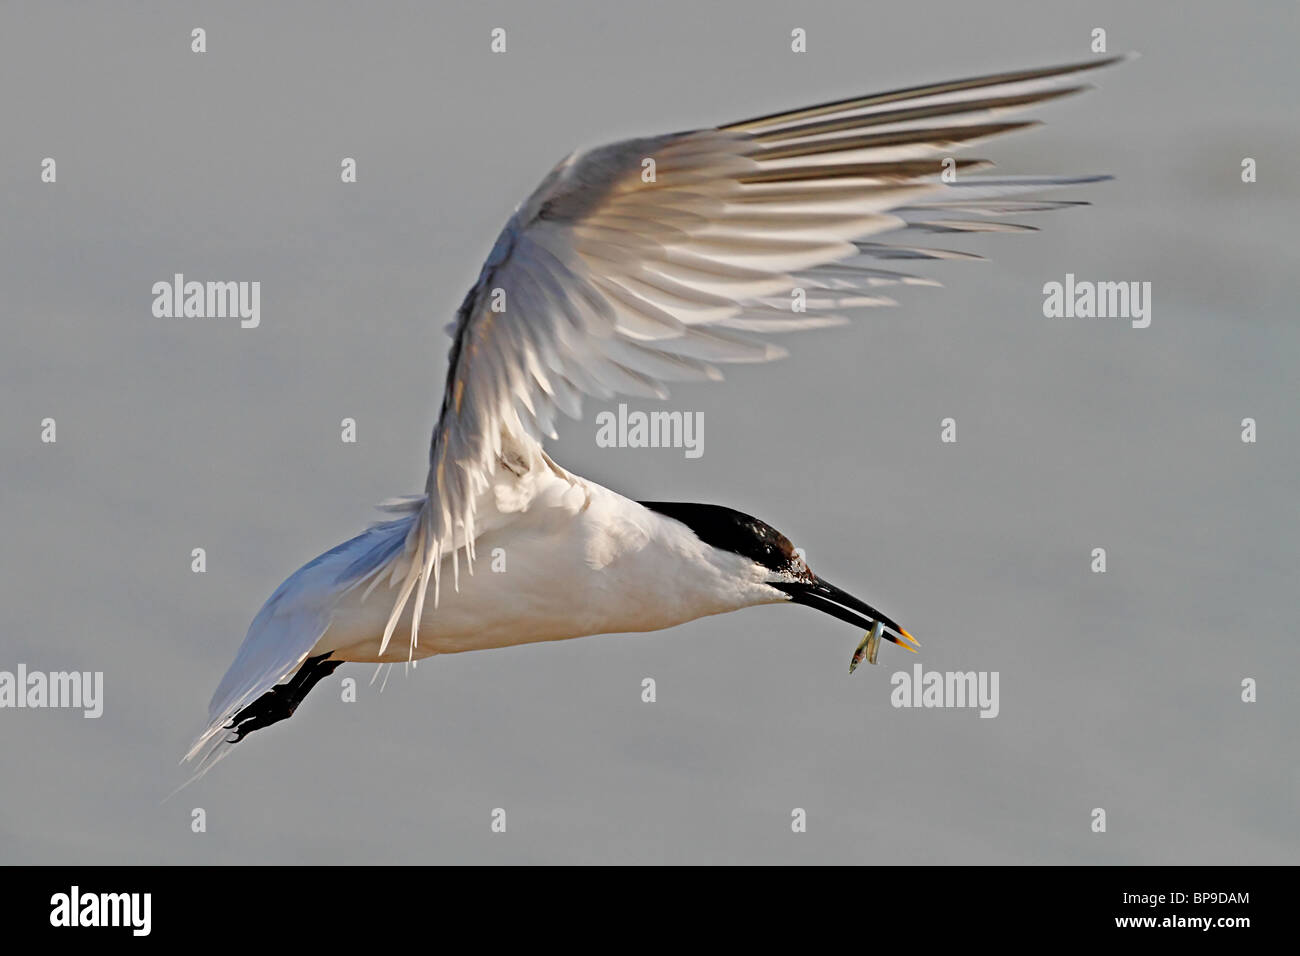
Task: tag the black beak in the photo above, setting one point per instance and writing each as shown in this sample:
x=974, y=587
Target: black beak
x=829, y=599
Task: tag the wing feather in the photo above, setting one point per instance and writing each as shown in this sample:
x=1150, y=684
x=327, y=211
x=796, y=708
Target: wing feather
x=649, y=260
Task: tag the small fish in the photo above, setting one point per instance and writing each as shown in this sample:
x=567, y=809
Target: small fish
x=869, y=647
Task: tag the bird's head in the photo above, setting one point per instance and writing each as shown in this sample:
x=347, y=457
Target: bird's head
x=783, y=567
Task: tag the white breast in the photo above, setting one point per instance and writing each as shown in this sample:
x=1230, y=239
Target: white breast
x=579, y=560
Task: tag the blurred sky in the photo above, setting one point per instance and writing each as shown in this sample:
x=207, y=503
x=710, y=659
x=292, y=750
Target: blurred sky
x=1119, y=690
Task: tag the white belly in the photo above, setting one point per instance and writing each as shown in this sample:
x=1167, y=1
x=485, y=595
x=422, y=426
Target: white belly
x=552, y=574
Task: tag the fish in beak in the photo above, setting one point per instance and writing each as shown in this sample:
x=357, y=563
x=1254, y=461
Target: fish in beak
x=829, y=599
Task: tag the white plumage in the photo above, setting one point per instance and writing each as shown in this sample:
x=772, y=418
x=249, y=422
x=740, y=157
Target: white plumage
x=634, y=265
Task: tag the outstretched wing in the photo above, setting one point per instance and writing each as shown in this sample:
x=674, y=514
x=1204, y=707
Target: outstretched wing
x=650, y=260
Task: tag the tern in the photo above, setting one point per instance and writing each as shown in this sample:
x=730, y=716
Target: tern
x=631, y=265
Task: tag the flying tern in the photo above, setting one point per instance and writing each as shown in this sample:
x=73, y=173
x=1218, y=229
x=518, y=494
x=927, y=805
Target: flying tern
x=643, y=262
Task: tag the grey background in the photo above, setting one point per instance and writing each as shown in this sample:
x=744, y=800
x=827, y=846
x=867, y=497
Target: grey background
x=1118, y=690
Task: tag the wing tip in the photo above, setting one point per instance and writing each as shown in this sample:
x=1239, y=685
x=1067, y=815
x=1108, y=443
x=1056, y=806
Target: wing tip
x=1046, y=74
